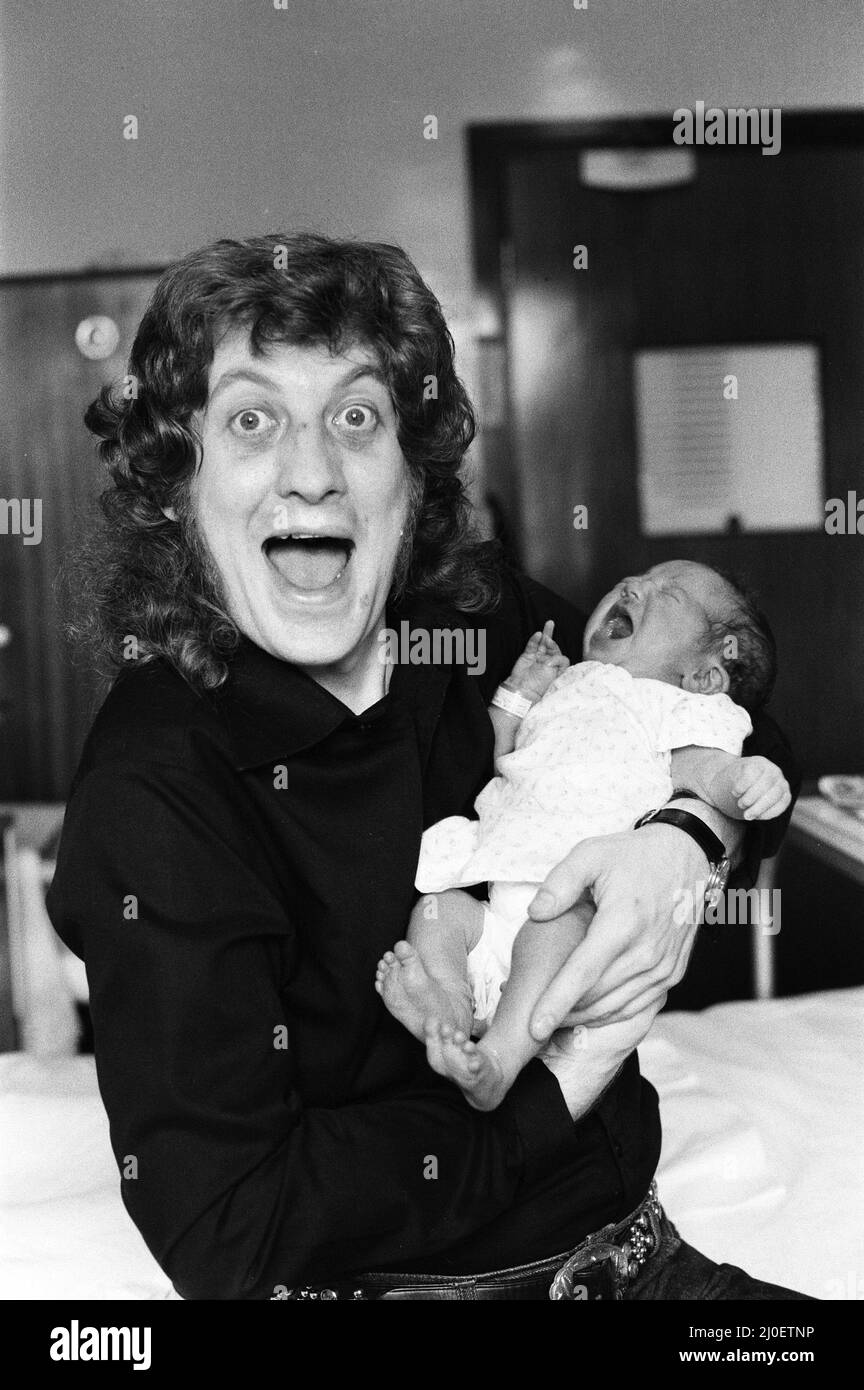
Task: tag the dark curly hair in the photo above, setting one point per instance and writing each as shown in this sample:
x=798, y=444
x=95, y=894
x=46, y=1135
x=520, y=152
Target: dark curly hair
x=147, y=577
x=750, y=657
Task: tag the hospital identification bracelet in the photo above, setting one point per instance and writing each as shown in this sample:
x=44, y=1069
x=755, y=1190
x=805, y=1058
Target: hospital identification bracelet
x=511, y=702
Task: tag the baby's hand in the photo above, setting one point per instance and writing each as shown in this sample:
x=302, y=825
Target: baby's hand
x=761, y=789
x=539, y=664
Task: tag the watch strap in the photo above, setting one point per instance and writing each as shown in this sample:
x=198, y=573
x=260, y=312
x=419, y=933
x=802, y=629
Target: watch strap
x=710, y=844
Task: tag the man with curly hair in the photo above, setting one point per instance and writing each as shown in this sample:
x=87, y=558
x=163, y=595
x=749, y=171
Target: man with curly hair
x=242, y=834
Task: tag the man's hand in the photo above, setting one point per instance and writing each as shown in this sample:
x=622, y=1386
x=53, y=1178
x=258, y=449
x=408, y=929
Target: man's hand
x=584, y=1061
x=634, y=950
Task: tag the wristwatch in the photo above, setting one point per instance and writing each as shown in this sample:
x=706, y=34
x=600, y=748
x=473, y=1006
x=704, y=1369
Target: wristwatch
x=711, y=844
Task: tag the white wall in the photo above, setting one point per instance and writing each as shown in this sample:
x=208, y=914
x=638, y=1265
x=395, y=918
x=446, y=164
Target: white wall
x=252, y=118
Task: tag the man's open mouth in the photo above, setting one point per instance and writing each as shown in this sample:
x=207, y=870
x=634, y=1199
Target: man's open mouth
x=617, y=623
x=307, y=561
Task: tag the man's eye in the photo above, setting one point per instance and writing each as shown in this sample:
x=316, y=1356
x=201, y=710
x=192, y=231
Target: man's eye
x=356, y=419
x=252, y=424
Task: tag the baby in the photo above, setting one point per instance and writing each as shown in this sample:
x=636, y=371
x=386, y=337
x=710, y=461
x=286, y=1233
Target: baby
x=672, y=661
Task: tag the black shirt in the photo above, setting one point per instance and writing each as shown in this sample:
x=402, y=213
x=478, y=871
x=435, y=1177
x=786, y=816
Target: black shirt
x=231, y=869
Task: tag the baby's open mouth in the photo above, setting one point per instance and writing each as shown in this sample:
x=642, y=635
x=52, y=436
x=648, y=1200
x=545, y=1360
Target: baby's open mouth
x=309, y=562
x=617, y=623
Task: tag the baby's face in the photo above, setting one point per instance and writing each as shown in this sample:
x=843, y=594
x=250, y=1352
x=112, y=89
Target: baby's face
x=654, y=625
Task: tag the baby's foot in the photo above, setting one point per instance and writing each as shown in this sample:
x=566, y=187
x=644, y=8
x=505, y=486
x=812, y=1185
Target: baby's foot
x=475, y=1069
x=410, y=992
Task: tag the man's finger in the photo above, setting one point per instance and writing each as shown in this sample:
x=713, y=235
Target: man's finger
x=580, y=973
x=565, y=885
x=619, y=973
x=626, y=978
x=621, y=1004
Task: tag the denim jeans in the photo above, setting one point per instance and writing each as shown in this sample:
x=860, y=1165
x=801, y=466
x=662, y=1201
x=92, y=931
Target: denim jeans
x=677, y=1271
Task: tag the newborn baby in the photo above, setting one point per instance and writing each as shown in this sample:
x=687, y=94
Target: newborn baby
x=672, y=661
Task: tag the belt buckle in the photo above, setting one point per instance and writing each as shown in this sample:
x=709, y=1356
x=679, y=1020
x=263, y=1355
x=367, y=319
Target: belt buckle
x=591, y=1259
x=622, y=1262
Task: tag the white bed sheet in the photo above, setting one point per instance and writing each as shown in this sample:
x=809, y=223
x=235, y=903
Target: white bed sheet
x=761, y=1166
x=763, y=1136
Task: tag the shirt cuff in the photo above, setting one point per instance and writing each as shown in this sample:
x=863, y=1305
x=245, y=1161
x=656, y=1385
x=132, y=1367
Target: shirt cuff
x=544, y=1125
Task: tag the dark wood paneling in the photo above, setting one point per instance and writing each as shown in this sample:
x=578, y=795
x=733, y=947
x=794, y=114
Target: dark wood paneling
x=45, y=452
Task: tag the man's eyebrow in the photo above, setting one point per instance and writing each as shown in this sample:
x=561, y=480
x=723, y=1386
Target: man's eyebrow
x=249, y=374
x=243, y=374
x=370, y=369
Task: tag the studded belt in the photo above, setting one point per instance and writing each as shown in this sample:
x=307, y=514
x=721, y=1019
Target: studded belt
x=625, y=1257
x=602, y=1266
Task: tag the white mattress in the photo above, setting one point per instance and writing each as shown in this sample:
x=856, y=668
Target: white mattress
x=762, y=1156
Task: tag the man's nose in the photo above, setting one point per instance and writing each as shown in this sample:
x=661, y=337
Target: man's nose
x=309, y=464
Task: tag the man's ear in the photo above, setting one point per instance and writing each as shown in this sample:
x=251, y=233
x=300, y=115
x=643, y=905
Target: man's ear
x=711, y=678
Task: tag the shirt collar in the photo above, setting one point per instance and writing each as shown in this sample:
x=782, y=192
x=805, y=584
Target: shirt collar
x=273, y=709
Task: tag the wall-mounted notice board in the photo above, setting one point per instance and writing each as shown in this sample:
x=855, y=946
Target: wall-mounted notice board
x=729, y=437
